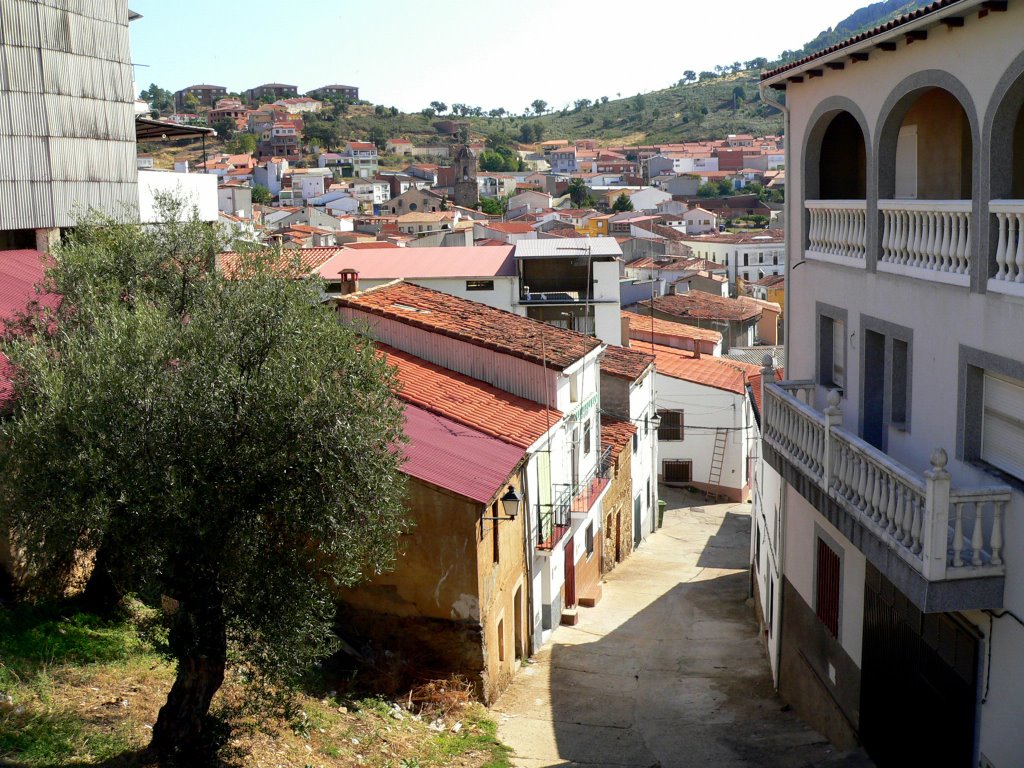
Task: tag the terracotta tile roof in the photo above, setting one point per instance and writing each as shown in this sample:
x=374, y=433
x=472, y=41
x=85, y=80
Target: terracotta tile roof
x=716, y=372
x=756, y=237
x=457, y=458
x=468, y=401
x=770, y=281
x=508, y=227
x=369, y=246
x=616, y=433
x=755, y=387
x=698, y=305
x=899, y=21
x=474, y=323
x=642, y=324
x=304, y=259
x=625, y=363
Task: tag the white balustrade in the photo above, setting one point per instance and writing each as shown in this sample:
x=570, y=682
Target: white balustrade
x=942, y=532
x=837, y=228
x=927, y=238
x=1009, y=276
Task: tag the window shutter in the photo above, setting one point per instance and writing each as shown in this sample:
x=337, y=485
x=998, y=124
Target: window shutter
x=1002, y=431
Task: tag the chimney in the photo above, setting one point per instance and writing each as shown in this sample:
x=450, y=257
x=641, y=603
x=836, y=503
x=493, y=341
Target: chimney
x=696, y=349
x=625, y=331
x=349, y=281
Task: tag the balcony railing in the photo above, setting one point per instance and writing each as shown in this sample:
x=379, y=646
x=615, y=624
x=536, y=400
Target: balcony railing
x=929, y=239
x=1009, y=276
x=554, y=295
x=572, y=500
x=838, y=230
x=943, y=533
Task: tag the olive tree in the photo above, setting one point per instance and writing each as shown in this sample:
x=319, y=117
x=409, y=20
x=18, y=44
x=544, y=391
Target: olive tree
x=222, y=438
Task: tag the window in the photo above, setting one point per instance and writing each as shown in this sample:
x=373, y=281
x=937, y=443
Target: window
x=495, y=544
x=501, y=640
x=590, y=538
x=775, y=259
x=574, y=388
x=900, y=393
x=1002, y=425
x=676, y=472
x=586, y=437
x=479, y=285
x=828, y=575
x=831, y=347
x=671, y=427
x=746, y=259
x=636, y=441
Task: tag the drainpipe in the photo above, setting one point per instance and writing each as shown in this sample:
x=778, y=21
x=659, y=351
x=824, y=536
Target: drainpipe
x=762, y=90
x=781, y=543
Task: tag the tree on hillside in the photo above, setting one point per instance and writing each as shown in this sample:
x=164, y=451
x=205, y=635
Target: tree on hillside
x=378, y=136
x=225, y=128
x=759, y=63
x=242, y=143
x=689, y=76
x=706, y=75
x=428, y=112
x=579, y=194
x=738, y=95
x=226, y=440
x=491, y=206
x=261, y=195
x=321, y=132
x=622, y=203
x=189, y=102
x=539, y=106
x=439, y=107
x=159, y=98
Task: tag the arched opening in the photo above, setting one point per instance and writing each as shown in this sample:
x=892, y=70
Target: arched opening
x=925, y=183
x=842, y=163
x=835, y=180
x=1006, y=137
x=930, y=149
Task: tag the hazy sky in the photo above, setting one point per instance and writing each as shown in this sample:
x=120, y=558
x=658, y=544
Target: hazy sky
x=490, y=54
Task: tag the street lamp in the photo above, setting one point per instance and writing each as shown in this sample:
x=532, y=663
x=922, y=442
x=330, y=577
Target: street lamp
x=510, y=503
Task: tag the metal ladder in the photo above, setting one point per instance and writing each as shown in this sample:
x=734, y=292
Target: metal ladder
x=714, y=489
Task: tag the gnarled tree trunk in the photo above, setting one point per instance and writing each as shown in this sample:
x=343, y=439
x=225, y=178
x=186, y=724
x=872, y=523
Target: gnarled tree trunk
x=198, y=640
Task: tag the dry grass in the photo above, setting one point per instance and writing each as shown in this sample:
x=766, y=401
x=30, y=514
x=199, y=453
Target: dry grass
x=88, y=693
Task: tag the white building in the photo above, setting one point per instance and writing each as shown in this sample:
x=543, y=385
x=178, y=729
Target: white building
x=572, y=283
x=648, y=198
x=899, y=432
x=705, y=435
x=566, y=474
x=748, y=257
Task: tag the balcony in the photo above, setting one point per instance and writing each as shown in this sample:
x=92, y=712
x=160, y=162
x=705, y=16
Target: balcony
x=1009, y=276
x=927, y=239
x=924, y=239
x=574, y=500
x=553, y=293
x=942, y=546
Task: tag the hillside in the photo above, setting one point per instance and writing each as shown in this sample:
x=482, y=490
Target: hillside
x=709, y=105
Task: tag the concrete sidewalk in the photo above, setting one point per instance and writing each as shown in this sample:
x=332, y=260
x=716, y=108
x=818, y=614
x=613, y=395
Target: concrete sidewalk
x=668, y=670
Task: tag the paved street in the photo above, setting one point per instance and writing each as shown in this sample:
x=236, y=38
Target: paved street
x=667, y=670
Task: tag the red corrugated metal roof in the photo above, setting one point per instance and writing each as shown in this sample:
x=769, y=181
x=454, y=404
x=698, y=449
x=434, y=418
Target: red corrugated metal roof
x=20, y=272
x=454, y=457
x=456, y=262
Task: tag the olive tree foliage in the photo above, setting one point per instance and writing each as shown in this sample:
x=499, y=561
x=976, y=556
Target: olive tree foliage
x=222, y=440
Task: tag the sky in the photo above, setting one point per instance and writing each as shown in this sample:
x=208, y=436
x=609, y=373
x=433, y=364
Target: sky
x=407, y=53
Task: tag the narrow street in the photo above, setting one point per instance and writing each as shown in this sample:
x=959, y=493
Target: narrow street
x=668, y=669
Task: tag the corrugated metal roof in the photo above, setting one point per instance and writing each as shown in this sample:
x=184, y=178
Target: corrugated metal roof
x=454, y=457
x=410, y=263
x=20, y=271
x=582, y=246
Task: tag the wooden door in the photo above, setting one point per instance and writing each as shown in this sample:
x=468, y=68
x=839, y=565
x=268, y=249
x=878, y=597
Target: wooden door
x=570, y=573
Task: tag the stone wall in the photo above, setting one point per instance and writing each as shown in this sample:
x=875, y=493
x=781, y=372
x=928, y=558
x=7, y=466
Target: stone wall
x=617, y=529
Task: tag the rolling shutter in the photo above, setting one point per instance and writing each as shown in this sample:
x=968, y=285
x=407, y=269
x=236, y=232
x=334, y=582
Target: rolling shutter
x=1002, y=430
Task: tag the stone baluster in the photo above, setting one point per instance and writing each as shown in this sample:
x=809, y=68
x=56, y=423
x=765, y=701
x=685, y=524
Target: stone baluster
x=833, y=417
x=965, y=259
x=958, y=536
x=945, y=256
x=899, y=494
x=931, y=221
x=997, y=533
x=1018, y=258
x=1005, y=233
x=977, y=536
x=935, y=523
x=915, y=528
x=887, y=504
